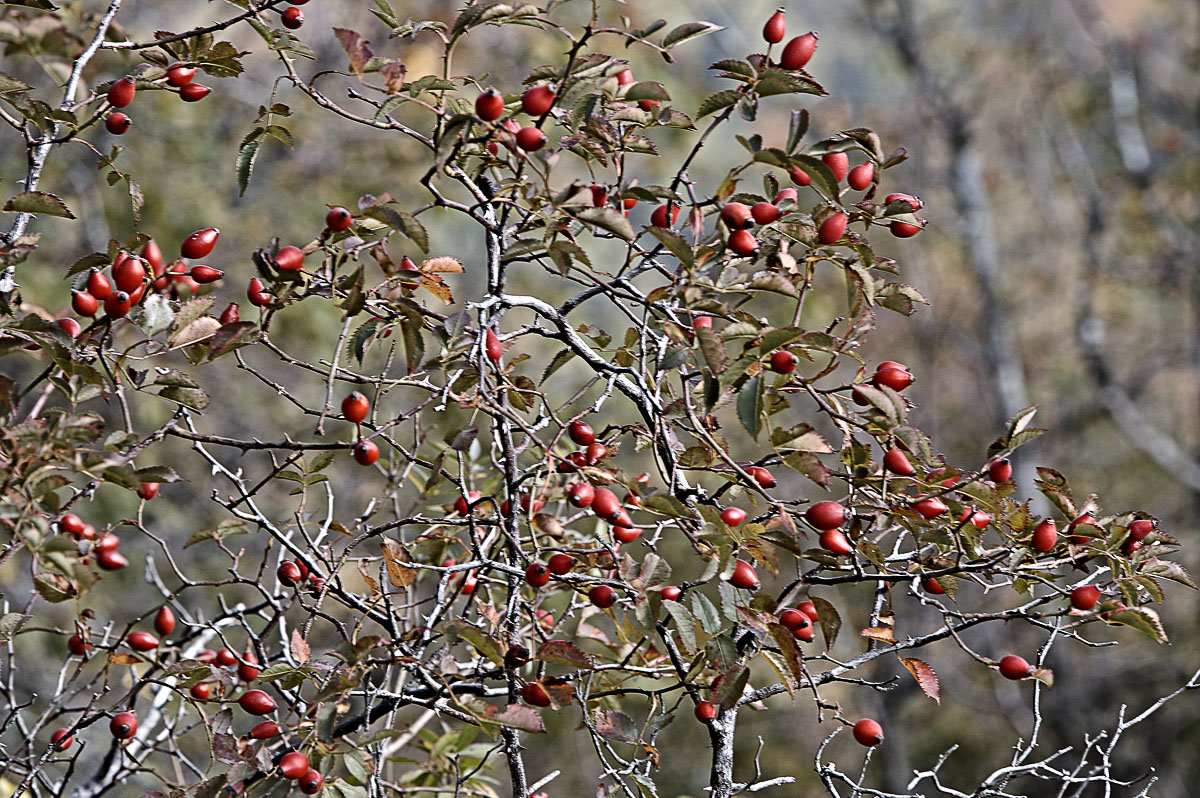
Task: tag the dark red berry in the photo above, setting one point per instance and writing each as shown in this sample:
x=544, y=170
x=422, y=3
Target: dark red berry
x=117, y=123
x=560, y=563
x=705, y=711
x=799, y=51
x=355, y=407
x=775, y=28
x=826, y=515
x=764, y=212
x=230, y=314
x=489, y=106
x=200, y=243
x=602, y=596
x=289, y=259
x=538, y=100
x=120, y=94
x=164, y=621
x=365, y=452
x=193, y=92
x=733, y=515
x=537, y=575
x=123, y=725
x=492, y=346
x=833, y=228
x=531, y=139
x=180, y=75
x=744, y=576
x=1014, y=667
x=838, y=163
x=256, y=702
x=736, y=216
x=581, y=433
x=860, y=176
x=292, y=18
x=867, y=732
x=338, y=219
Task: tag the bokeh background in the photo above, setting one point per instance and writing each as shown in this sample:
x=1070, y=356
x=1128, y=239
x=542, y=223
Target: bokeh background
x=1056, y=146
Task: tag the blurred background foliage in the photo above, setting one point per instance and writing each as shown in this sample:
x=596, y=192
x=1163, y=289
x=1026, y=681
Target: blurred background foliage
x=1056, y=147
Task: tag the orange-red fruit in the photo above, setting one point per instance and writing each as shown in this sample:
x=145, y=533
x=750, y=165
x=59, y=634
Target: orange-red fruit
x=1000, y=471
x=915, y=202
x=531, y=139
x=809, y=609
x=69, y=326
x=537, y=100
x=602, y=596
x=626, y=534
x=896, y=378
x=736, y=216
x=462, y=505
x=658, y=217
x=833, y=228
x=1045, y=536
x=205, y=274
x=355, y=407
x=256, y=702
x=201, y=691
x=111, y=560
x=365, y=452
x=581, y=494
x=783, y=362
x=265, y=730
x=775, y=28
x=310, y=783
x=799, y=51
x=292, y=18
x=141, y=641
x=581, y=433
x=489, y=106
x=537, y=575
x=904, y=229
x=1014, y=667
x=897, y=462
x=120, y=94
x=599, y=195
x=246, y=670
x=147, y=490
x=595, y=452
x=77, y=645
x=742, y=243
x=868, y=732
x=860, y=176
x=293, y=764
x=535, y=694
x=744, y=576
x=492, y=346
x=788, y=193
x=794, y=619
x=560, y=563
x=671, y=593
x=226, y=657
x=733, y=515
x=838, y=163
x=761, y=475
x=1085, y=597
x=338, y=219
x=61, y=740
x=1141, y=528
x=606, y=505
x=705, y=711
x=804, y=634
x=930, y=507
x=833, y=541
x=799, y=176
x=289, y=259
x=128, y=273
x=123, y=725
x=193, y=92
x=117, y=123
x=826, y=515
x=117, y=305
x=98, y=285
x=256, y=293
x=71, y=524
x=288, y=573
x=164, y=621
x=764, y=212
x=200, y=243
x=931, y=585
x=180, y=75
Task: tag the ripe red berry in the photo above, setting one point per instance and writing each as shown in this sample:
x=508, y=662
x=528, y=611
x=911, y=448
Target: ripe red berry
x=744, y=576
x=246, y=670
x=761, y=475
x=904, y=229
x=61, y=740
x=201, y=691
x=537, y=100
x=193, y=92
x=833, y=228
x=164, y=621
x=141, y=641
x=599, y=195
x=799, y=176
x=117, y=123
x=794, y=619
x=147, y=490
x=99, y=286
x=1045, y=536
x=69, y=326
x=658, y=217
x=537, y=575
x=120, y=93
x=809, y=609
x=292, y=18
x=256, y=702
x=531, y=139
x=560, y=564
x=931, y=585
x=535, y=694
x=492, y=346
x=1141, y=528
x=702, y=321
x=71, y=524
x=606, y=505
x=1085, y=597
x=338, y=219
x=463, y=504
x=671, y=593
x=355, y=407
x=288, y=573
x=826, y=515
x=705, y=711
x=226, y=657
x=581, y=433
x=230, y=314
x=595, y=452
x=764, y=212
x=868, y=732
x=895, y=378
x=783, y=362
x=123, y=725
x=626, y=534
x=1131, y=547
x=625, y=77
x=930, y=507
x=205, y=274
x=180, y=75
x=787, y=194
x=265, y=730
x=897, y=462
x=293, y=764
x=257, y=293
x=1014, y=667
x=602, y=596
x=838, y=163
x=77, y=646
x=581, y=494
x=733, y=515
x=310, y=783
x=736, y=216
x=860, y=176
x=909, y=198
x=799, y=51
x=365, y=452
x=84, y=303
x=1000, y=471
x=742, y=243
x=775, y=28
x=489, y=106
x=289, y=259
x=833, y=541
x=200, y=243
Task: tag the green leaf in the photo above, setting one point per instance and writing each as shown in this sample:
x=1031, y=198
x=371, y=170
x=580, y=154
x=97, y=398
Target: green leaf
x=647, y=90
x=38, y=202
x=713, y=349
x=609, y=219
x=485, y=644
x=10, y=84
x=750, y=406
x=688, y=31
x=685, y=624
x=715, y=102
x=675, y=243
x=194, y=398
x=1144, y=619
x=11, y=622
x=246, y=156
x=706, y=613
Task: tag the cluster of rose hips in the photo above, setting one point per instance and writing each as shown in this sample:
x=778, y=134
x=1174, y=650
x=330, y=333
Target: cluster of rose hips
x=121, y=93
x=295, y=572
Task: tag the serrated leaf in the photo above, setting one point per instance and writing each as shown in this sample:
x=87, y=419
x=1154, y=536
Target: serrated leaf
x=688, y=31
x=9, y=84
x=561, y=652
x=485, y=644
x=925, y=677
x=750, y=406
x=615, y=726
x=244, y=163
x=396, y=559
x=713, y=349
x=685, y=624
x=38, y=202
x=675, y=244
x=1144, y=619
x=791, y=653
x=647, y=90
x=715, y=102
x=609, y=219
x=828, y=617
x=706, y=613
